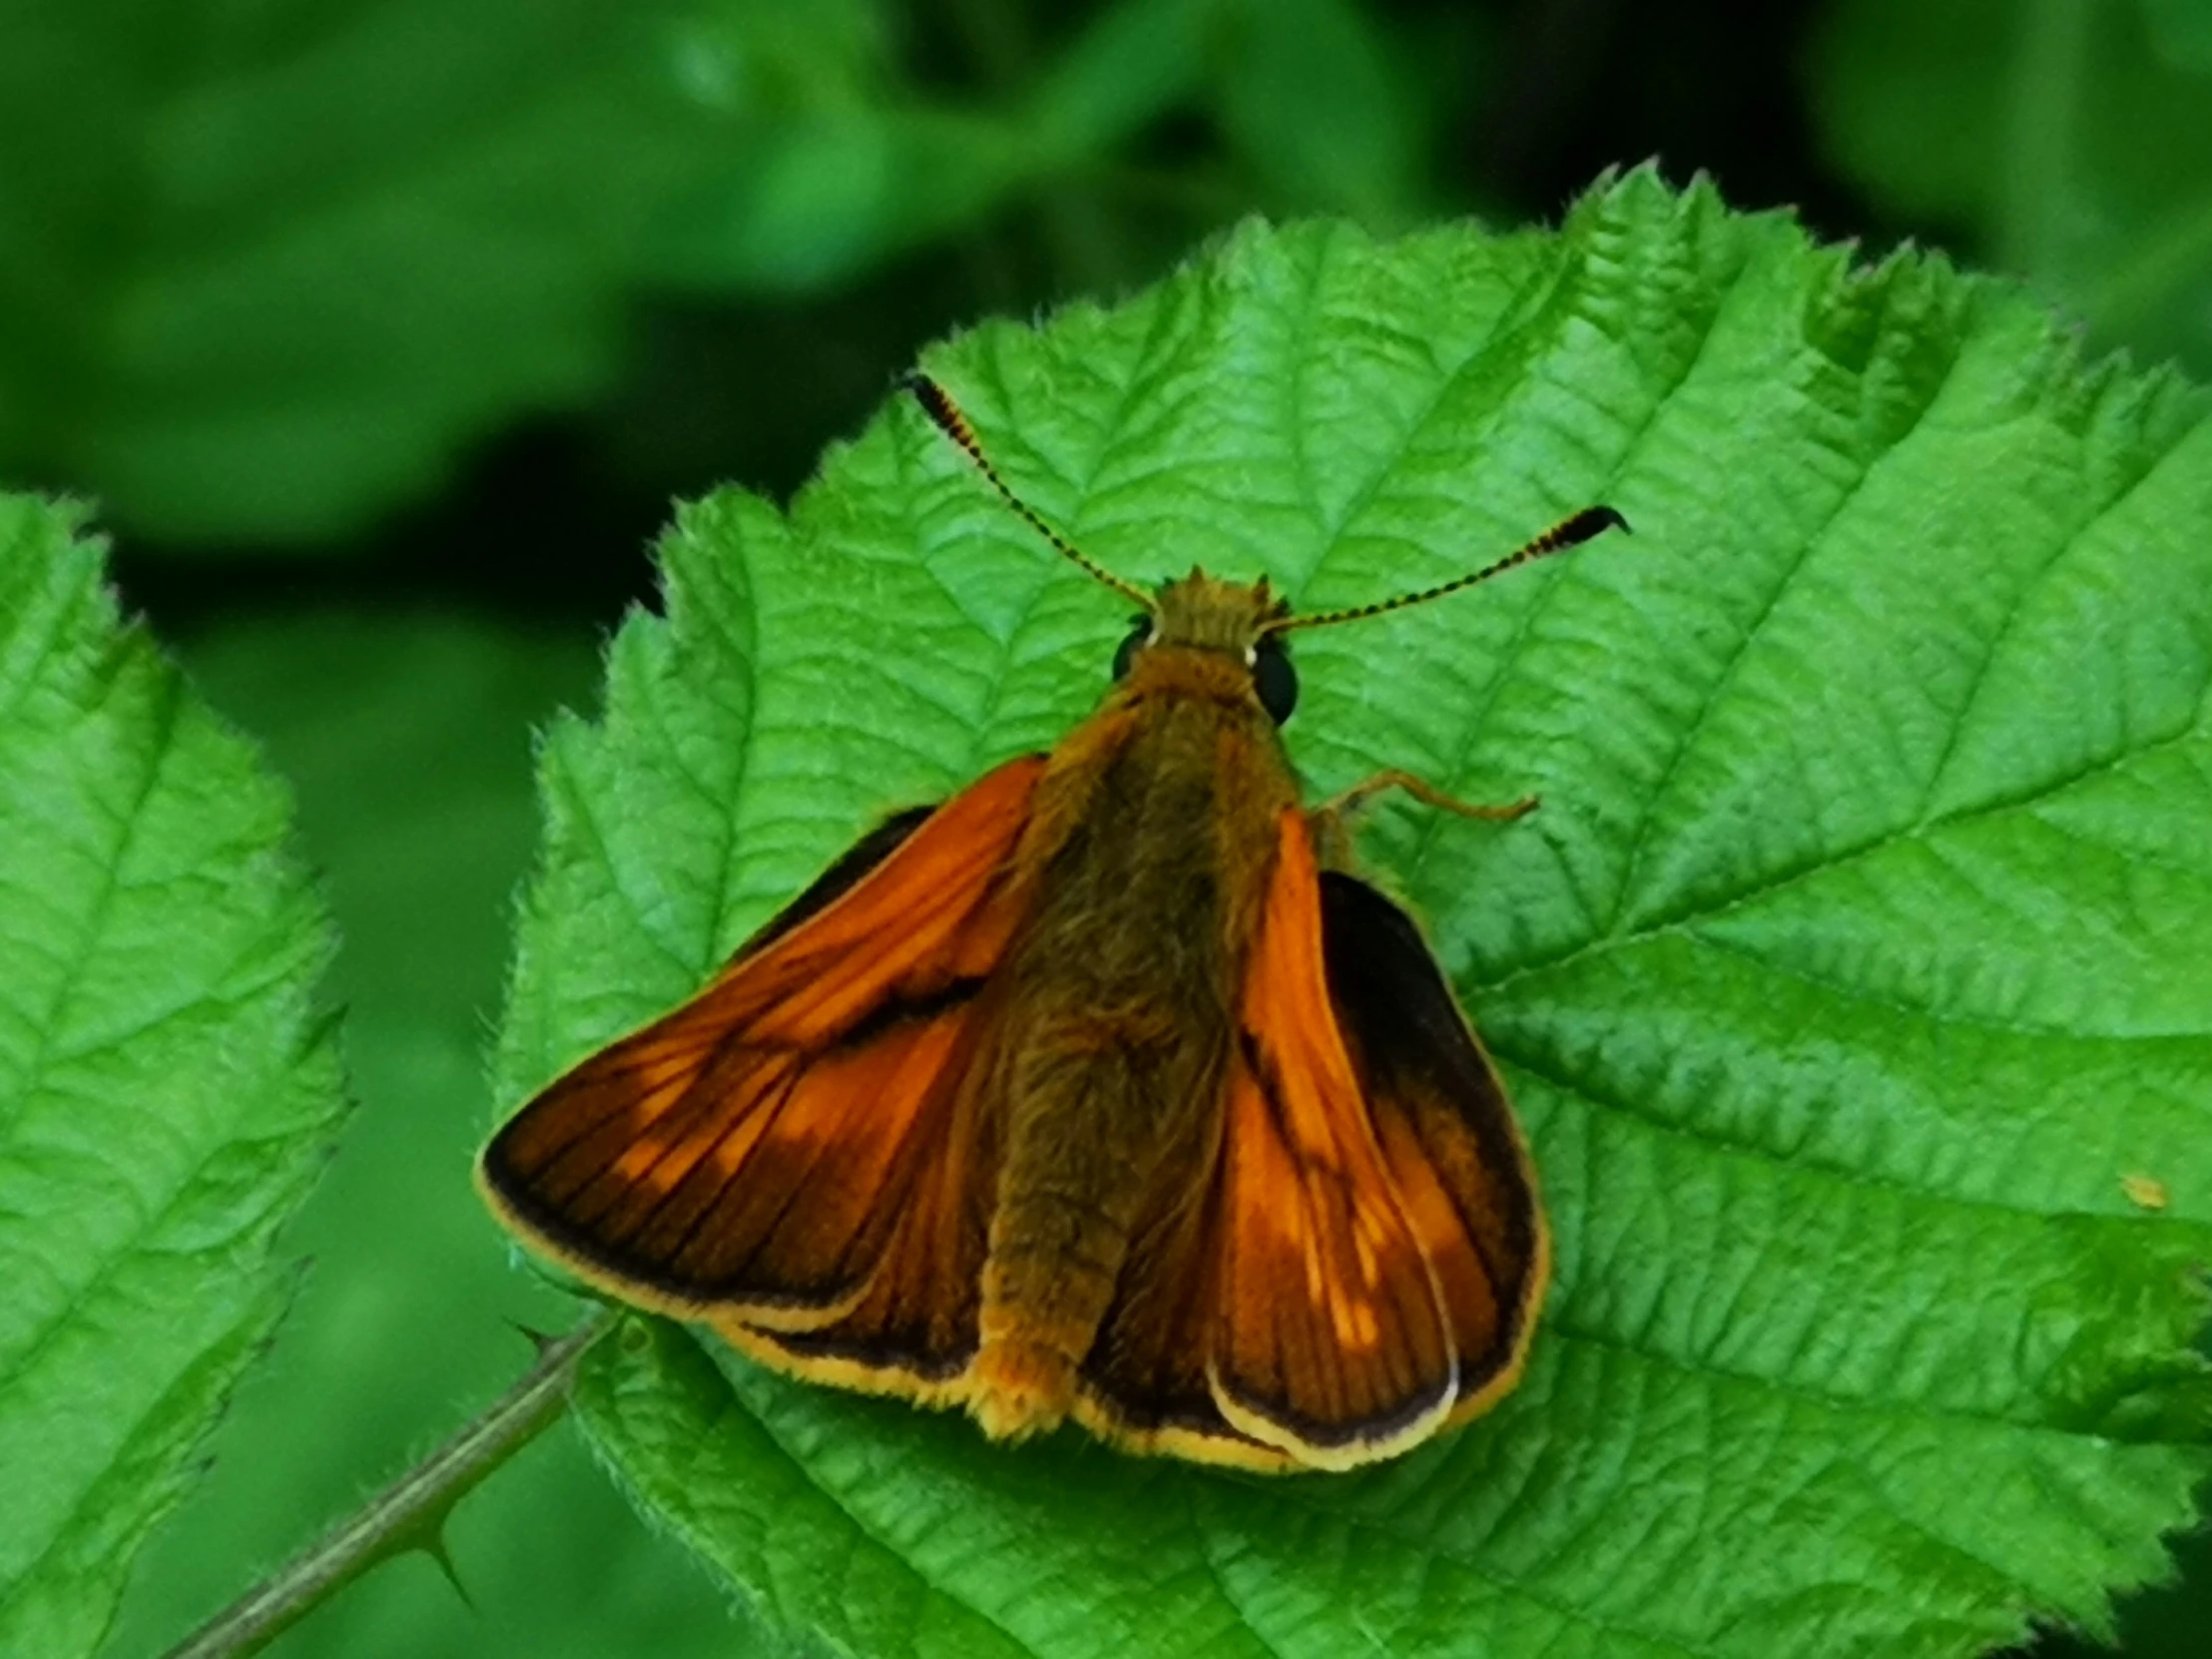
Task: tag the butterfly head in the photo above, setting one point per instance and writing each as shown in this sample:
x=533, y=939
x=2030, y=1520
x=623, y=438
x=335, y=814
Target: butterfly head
x=1234, y=624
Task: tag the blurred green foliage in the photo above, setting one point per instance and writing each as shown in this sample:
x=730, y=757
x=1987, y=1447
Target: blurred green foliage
x=834, y=164
x=2068, y=141
x=265, y=268
x=382, y=331
x=265, y=271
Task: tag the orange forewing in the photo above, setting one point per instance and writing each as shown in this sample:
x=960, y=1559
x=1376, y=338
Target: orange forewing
x=754, y=1156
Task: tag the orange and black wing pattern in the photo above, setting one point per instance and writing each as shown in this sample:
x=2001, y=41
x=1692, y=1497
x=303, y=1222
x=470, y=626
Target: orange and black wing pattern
x=1360, y=1262
x=1455, y=1151
x=791, y=1154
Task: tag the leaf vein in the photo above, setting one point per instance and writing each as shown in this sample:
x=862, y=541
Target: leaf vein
x=1733, y=903
x=2018, y=603
x=1647, y=819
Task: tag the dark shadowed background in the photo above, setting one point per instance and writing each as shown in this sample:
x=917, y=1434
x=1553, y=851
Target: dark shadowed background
x=384, y=331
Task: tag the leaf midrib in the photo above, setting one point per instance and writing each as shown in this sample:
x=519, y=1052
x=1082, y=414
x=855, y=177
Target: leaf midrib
x=1684, y=924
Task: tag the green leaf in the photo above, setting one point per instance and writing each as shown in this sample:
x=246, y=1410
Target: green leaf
x=261, y=270
x=168, y=1087
x=1852, y=967
x=407, y=736
x=2069, y=139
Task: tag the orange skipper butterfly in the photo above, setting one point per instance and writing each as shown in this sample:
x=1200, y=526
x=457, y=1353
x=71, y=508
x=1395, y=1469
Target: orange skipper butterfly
x=1105, y=1090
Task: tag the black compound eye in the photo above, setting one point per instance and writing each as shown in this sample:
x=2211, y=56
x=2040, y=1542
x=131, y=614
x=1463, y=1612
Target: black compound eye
x=1274, y=679
x=1140, y=632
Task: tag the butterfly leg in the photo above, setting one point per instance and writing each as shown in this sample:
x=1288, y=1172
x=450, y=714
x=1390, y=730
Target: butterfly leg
x=1421, y=789
x=1332, y=834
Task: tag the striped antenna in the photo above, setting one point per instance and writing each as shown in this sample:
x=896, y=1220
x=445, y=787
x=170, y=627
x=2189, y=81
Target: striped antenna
x=1571, y=532
x=937, y=405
